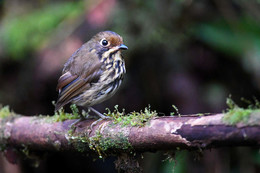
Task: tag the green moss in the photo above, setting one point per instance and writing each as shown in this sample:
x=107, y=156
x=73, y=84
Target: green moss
x=61, y=115
x=6, y=115
x=100, y=144
x=104, y=144
x=121, y=142
x=5, y=112
x=176, y=110
x=133, y=118
x=236, y=114
x=94, y=144
x=28, y=154
x=25, y=151
x=81, y=143
x=75, y=111
x=202, y=114
x=28, y=32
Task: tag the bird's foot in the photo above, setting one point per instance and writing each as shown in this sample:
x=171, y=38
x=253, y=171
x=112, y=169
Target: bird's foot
x=102, y=117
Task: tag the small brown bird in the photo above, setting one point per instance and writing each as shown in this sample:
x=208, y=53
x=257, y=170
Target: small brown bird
x=93, y=73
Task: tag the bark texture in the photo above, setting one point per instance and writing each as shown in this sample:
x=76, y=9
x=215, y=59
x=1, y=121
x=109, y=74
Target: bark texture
x=160, y=133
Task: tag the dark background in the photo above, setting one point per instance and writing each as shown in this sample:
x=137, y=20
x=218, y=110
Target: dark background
x=191, y=54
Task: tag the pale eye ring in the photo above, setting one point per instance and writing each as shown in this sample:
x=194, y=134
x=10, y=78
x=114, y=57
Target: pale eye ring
x=104, y=42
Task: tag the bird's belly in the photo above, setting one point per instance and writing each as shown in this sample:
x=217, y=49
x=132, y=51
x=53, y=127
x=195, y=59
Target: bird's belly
x=106, y=86
x=97, y=93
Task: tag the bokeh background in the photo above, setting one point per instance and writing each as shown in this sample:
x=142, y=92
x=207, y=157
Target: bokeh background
x=191, y=54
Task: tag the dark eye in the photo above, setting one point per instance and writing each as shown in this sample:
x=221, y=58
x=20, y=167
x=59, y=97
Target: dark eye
x=104, y=42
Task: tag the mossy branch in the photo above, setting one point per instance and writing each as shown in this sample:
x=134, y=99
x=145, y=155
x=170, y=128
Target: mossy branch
x=239, y=127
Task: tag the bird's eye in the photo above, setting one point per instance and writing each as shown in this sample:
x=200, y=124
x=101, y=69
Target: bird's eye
x=104, y=42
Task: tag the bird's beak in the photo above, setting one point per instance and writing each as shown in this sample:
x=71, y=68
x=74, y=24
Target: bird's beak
x=122, y=46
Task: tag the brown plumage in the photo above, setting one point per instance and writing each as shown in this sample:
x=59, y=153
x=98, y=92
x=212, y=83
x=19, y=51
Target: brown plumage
x=93, y=73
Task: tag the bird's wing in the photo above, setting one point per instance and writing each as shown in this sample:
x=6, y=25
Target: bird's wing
x=74, y=82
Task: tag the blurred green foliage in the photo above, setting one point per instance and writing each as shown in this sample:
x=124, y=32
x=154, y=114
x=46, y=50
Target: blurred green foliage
x=237, y=39
x=231, y=38
x=178, y=164
x=24, y=34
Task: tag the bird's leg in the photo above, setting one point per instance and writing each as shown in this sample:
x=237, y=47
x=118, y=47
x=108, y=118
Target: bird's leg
x=102, y=117
x=99, y=114
x=72, y=126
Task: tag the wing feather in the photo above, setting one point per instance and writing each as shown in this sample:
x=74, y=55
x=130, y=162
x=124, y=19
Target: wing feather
x=64, y=80
x=71, y=86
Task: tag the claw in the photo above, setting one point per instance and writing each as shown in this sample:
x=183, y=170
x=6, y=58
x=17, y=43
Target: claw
x=95, y=123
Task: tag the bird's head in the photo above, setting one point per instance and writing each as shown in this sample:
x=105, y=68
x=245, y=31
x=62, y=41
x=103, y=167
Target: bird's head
x=107, y=42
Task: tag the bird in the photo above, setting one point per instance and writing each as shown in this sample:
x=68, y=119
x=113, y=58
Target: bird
x=93, y=73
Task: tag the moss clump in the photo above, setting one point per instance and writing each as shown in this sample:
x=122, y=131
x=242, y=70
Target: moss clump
x=5, y=112
x=103, y=144
x=236, y=114
x=81, y=143
x=6, y=115
x=120, y=142
x=133, y=118
x=94, y=142
x=61, y=115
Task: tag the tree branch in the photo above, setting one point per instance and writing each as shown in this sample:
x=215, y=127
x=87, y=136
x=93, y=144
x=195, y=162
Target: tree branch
x=160, y=133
